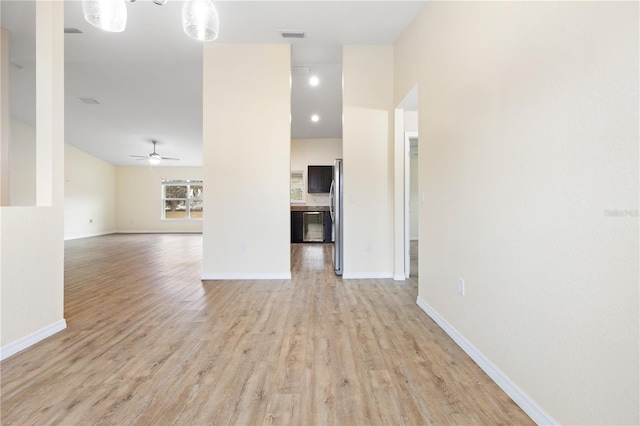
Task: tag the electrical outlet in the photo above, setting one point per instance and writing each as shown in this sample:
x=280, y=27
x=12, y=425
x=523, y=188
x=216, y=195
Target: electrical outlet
x=243, y=248
x=367, y=247
x=461, y=287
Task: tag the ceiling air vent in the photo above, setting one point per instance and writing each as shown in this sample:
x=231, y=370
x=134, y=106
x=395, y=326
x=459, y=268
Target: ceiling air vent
x=89, y=101
x=292, y=33
x=72, y=31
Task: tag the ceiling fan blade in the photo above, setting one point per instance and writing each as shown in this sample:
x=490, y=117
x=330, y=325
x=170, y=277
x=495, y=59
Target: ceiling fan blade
x=154, y=157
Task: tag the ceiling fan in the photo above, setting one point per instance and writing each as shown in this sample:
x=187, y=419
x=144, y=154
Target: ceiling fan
x=154, y=158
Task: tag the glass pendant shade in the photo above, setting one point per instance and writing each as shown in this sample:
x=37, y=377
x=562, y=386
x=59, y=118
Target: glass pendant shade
x=108, y=15
x=200, y=20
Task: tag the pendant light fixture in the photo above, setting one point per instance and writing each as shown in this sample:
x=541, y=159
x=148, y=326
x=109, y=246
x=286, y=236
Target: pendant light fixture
x=200, y=20
x=199, y=17
x=108, y=15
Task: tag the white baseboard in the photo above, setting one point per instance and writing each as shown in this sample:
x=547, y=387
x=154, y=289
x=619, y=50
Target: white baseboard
x=14, y=347
x=146, y=231
x=77, y=237
x=399, y=277
x=366, y=275
x=283, y=276
x=523, y=400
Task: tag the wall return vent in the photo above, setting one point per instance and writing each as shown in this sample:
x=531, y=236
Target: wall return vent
x=292, y=33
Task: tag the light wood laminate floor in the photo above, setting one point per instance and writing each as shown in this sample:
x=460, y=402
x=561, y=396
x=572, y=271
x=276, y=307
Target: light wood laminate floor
x=148, y=343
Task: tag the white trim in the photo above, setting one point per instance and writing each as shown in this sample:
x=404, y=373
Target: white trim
x=97, y=234
x=283, y=276
x=518, y=396
x=366, y=275
x=164, y=231
x=399, y=277
x=407, y=201
x=31, y=339
x=146, y=231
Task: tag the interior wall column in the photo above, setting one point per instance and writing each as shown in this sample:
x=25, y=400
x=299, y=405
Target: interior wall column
x=5, y=131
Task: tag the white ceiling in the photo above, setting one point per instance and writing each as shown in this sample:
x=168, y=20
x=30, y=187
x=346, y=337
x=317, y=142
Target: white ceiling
x=148, y=79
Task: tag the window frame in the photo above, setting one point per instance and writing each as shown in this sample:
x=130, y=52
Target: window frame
x=302, y=186
x=188, y=200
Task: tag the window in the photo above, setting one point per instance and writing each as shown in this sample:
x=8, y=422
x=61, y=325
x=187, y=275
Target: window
x=182, y=199
x=297, y=186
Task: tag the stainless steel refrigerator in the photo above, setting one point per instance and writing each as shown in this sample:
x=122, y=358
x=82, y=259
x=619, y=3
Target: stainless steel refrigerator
x=337, y=214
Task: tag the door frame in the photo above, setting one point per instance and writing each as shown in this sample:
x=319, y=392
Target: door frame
x=407, y=200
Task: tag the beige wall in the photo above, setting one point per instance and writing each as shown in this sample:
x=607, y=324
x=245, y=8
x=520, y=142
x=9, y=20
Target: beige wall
x=89, y=195
x=314, y=152
x=101, y=198
x=139, y=199
x=5, y=118
x=367, y=152
x=247, y=149
x=22, y=181
x=31, y=238
x=528, y=143
x=406, y=61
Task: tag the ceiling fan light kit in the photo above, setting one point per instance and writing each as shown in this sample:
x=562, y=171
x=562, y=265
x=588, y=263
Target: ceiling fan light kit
x=154, y=158
x=199, y=17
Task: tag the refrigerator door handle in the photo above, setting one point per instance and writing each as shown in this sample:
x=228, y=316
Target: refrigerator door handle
x=331, y=199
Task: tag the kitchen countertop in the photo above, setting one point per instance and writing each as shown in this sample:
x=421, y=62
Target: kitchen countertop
x=305, y=208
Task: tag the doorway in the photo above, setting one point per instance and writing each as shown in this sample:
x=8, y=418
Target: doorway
x=411, y=205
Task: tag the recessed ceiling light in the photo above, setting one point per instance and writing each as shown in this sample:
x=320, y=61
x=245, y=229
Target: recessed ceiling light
x=314, y=81
x=315, y=118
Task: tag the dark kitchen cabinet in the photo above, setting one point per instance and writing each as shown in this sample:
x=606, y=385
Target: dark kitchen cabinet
x=296, y=227
x=328, y=228
x=319, y=178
